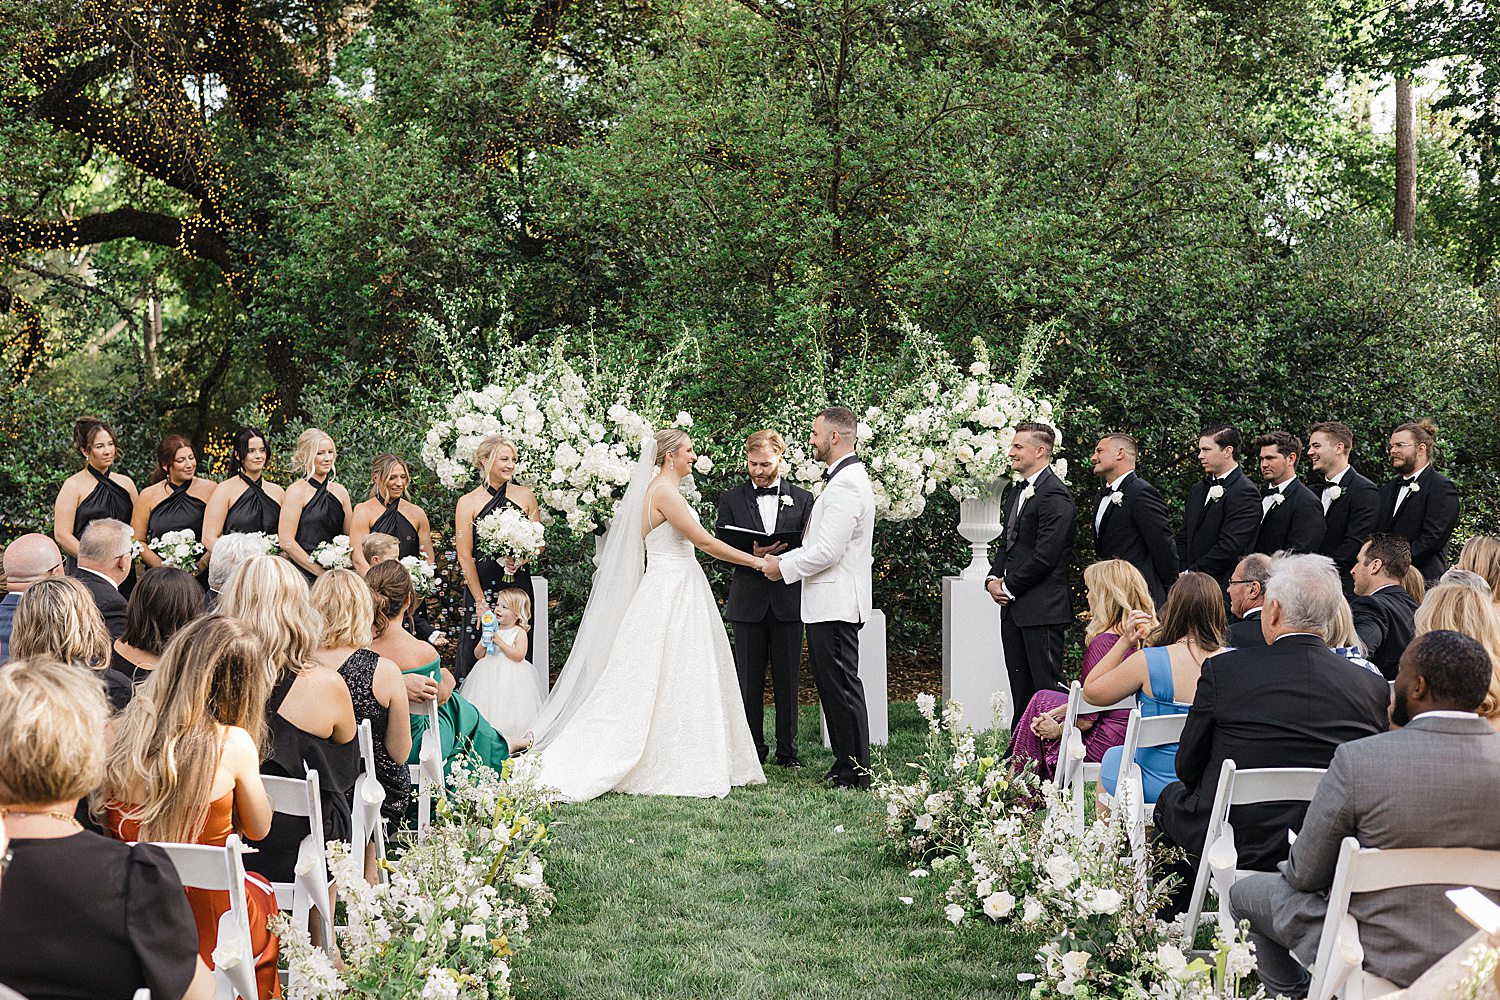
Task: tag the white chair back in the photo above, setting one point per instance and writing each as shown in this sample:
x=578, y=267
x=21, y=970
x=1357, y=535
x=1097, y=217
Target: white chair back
x=1219, y=863
x=427, y=773
x=1142, y=732
x=366, y=823
x=1073, y=770
x=309, y=889
x=1339, y=967
x=222, y=869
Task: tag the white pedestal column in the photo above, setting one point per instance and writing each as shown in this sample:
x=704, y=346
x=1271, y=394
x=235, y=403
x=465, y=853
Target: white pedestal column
x=973, y=661
x=872, y=673
x=538, y=637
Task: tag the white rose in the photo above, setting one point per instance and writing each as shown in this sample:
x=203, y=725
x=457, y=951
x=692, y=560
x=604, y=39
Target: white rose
x=999, y=905
x=954, y=913
x=1333, y=493
x=1075, y=963
x=704, y=465
x=979, y=368
x=1031, y=911
x=1105, y=901
x=1172, y=961
x=683, y=420
x=1215, y=492
x=863, y=431
x=924, y=821
x=1062, y=869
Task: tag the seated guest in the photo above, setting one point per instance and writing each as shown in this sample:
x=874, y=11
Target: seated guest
x=309, y=712
x=27, y=560
x=1344, y=640
x=1455, y=608
x=1115, y=589
x=57, y=619
x=1464, y=578
x=375, y=683
x=183, y=767
x=82, y=917
x=1414, y=585
x=105, y=560
x=1247, y=594
x=228, y=555
x=1162, y=666
x=378, y=547
x=1384, y=611
x=163, y=601
x=1410, y=788
x=1481, y=555
x=1290, y=704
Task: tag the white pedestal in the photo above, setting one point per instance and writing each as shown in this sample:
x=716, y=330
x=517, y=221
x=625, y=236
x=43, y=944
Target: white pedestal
x=973, y=661
x=538, y=637
x=872, y=673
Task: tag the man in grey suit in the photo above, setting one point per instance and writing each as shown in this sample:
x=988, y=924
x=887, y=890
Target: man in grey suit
x=1421, y=786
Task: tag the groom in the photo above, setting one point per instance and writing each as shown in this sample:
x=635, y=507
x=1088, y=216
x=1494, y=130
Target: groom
x=833, y=566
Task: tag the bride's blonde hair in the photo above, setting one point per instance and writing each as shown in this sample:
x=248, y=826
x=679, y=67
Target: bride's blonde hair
x=668, y=441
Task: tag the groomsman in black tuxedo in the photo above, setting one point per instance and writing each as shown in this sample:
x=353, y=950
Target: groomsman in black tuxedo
x=1223, y=511
x=766, y=614
x=1029, y=577
x=1350, y=501
x=1291, y=517
x=1421, y=506
x=1130, y=517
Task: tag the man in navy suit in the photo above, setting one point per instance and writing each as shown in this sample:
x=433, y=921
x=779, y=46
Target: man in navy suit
x=766, y=614
x=1291, y=517
x=1130, y=517
x=1029, y=577
x=1421, y=506
x=1223, y=511
x=1350, y=501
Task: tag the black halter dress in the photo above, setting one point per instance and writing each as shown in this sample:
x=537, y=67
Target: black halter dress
x=107, y=499
x=179, y=510
x=321, y=521
x=253, y=511
x=394, y=523
x=492, y=578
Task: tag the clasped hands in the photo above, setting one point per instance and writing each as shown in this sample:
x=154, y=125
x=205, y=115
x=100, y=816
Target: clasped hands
x=771, y=561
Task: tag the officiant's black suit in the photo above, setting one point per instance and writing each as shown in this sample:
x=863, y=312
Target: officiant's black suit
x=1426, y=519
x=1294, y=525
x=767, y=616
x=1350, y=520
x=1136, y=530
x=1216, y=536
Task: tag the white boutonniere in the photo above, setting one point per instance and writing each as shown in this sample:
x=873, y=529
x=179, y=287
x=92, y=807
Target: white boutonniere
x=1276, y=501
x=786, y=500
x=1028, y=492
x=1333, y=493
x=1117, y=498
x=1413, y=487
x=1215, y=492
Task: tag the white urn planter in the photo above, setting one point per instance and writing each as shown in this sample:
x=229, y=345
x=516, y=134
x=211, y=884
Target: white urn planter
x=973, y=661
x=980, y=522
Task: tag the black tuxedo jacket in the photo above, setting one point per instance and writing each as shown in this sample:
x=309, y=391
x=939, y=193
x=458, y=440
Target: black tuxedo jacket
x=1386, y=622
x=1291, y=704
x=1246, y=632
x=1035, y=551
x=1296, y=524
x=107, y=597
x=751, y=595
x=1426, y=519
x=1216, y=536
x=1136, y=530
x=1350, y=520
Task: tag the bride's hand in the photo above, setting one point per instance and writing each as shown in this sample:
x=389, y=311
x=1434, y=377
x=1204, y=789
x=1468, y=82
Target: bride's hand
x=759, y=565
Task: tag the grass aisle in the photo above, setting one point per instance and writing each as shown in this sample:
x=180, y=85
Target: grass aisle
x=757, y=895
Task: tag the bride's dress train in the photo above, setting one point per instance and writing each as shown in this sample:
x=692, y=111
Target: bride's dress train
x=665, y=716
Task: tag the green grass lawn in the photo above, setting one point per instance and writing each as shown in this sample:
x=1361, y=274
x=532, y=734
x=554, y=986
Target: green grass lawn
x=757, y=895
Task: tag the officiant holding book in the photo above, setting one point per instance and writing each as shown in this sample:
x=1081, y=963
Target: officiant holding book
x=766, y=515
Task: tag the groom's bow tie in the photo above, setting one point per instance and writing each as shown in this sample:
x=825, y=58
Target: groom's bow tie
x=768, y=491
x=827, y=475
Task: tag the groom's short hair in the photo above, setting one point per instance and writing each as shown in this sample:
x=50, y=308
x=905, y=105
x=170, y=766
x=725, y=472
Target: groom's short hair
x=763, y=440
x=839, y=418
x=1041, y=434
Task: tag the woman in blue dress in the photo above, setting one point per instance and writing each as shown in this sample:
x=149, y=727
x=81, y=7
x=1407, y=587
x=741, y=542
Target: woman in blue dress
x=1162, y=669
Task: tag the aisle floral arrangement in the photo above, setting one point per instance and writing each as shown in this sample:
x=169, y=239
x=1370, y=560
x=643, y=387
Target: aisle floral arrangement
x=456, y=908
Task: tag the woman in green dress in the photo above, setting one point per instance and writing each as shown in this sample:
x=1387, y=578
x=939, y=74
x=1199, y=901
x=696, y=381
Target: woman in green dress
x=463, y=731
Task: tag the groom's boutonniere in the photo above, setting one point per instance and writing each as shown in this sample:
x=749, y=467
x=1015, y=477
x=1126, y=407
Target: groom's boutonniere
x=787, y=500
x=1215, y=492
x=1117, y=498
x=1333, y=493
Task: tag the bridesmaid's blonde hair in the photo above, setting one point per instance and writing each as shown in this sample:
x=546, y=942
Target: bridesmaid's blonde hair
x=487, y=448
x=308, y=443
x=1117, y=588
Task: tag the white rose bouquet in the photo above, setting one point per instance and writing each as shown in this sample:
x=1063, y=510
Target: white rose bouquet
x=269, y=542
x=509, y=534
x=336, y=553
x=179, y=549
x=424, y=581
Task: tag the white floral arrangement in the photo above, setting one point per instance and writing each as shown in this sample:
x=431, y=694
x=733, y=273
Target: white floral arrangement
x=508, y=533
x=457, y=906
x=424, y=578
x=179, y=549
x=270, y=544
x=336, y=553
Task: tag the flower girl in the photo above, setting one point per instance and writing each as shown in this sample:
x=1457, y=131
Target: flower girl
x=502, y=684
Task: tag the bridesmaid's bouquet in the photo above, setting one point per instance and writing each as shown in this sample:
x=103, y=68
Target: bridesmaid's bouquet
x=179, y=549
x=271, y=543
x=424, y=581
x=336, y=553
x=509, y=534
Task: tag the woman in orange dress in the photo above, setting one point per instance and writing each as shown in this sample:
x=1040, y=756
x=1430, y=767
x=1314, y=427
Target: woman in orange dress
x=184, y=767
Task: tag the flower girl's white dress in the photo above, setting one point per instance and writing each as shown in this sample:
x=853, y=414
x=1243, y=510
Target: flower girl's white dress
x=505, y=691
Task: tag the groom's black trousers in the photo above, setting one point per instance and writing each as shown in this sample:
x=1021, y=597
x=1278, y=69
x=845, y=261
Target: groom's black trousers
x=834, y=650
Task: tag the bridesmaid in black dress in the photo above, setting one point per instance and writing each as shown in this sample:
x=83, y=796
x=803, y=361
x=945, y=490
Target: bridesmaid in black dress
x=175, y=500
x=93, y=492
x=389, y=512
x=484, y=577
x=245, y=502
x=316, y=509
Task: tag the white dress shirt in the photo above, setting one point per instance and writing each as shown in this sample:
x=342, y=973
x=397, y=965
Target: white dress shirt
x=769, y=505
x=1104, y=503
x=1333, y=481
x=1405, y=489
x=1277, y=489
x=1216, y=480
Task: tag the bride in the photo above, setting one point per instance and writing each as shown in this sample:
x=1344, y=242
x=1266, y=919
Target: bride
x=648, y=702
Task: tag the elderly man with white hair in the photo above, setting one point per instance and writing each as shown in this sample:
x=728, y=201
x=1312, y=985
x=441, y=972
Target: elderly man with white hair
x=230, y=553
x=1290, y=703
x=27, y=560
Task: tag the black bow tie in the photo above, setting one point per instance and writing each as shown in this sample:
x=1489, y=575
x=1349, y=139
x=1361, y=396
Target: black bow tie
x=1271, y=491
x=827, y=475
x=767, y=491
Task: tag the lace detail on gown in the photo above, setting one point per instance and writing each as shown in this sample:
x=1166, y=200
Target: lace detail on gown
x=665, y=717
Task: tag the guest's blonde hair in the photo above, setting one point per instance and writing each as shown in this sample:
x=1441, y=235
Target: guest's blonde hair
x=1481, y=554
x=1117, y=588
x=765, y=440
x=1413, y=583
x=379, y=545
x=52, y=717
x=344, y=602
x=667, y=442
x=270, y=597
x=161, y=764
x=57, y=619
x=519, y=605
x=487, y=447
x=308, y=443
x=1341, y=631
x=1465, y=610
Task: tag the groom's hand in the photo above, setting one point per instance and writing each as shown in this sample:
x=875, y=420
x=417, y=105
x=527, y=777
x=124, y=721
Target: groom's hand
x=773, y=568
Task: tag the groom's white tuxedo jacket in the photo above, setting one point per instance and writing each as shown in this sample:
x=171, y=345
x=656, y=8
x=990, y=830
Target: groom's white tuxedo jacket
x=833, y=564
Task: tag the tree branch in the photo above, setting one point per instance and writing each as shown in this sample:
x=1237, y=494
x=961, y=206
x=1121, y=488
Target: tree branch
x=190, y=235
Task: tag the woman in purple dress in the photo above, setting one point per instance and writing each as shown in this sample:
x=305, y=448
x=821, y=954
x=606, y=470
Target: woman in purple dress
x=1115, y=589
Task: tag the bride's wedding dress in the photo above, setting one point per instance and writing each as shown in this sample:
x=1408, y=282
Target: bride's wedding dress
x=664, y=716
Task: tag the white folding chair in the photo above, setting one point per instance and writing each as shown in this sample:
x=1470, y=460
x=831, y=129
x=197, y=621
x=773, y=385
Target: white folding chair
x=309, y=888
x=366, y=825
x=1220, y=860
x=1073, y=771
x=142, y=994
x=1339, y=968
x=1142, y=732
x=427, y=773
x=222, y=869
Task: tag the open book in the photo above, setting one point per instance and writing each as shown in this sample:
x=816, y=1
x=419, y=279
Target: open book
x=743, y=538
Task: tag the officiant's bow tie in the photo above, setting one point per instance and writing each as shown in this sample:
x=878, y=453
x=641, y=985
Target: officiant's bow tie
x=768, y=491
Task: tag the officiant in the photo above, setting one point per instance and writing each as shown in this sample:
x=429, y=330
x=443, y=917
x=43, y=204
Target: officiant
x=766, y=516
